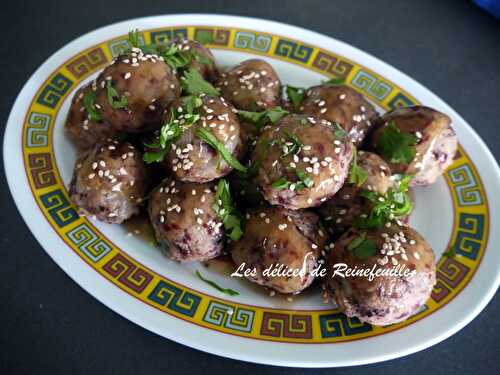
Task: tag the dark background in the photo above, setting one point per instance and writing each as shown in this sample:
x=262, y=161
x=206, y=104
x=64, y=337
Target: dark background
x=51, y=325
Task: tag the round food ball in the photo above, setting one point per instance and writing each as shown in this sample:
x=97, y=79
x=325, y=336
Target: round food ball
x=436, y=142
x=203, y=59
x=109, y=182
x=185, y=222
x=253, y=85
x=280, y=237
x=342, y=105
x=191, y=158
x=301, y=162
x=134, y=91
x=83, y=129
x=348, y=205
x=386, y=299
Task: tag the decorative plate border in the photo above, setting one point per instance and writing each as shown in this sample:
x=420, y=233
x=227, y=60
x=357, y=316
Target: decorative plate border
x=471, y=213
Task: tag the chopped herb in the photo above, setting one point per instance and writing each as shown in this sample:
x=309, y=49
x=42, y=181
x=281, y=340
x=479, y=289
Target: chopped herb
x=362, y=247
x=209, y=138
x=397, y=146
x=396, y=203
x=89, y=104
x=260, y=119
x=357, y=175
x=133, y=38
x=171, y=130
x=114, y=99
x=305, y=181
x=227, y=212
x=174, y=57
x=205, y=38
x=193, y=83
x=295, y=95
x=281, y=183
x=356, y=242
x=292, y=145
x=202, y=59
x=335, y=81
x=227, y=291
x=339, y=131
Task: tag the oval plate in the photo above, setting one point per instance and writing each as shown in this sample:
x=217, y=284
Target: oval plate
x=134, y=279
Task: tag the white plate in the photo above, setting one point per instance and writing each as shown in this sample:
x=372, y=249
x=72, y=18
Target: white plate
x=134, y=279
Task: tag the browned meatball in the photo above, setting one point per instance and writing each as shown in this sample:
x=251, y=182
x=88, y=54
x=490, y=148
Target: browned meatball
x=277, y=236
x=301, y=162
x=145, y=85
x=109, y=182
x=386, y=299
x=343, y=105
x=253, y=85
x=348, y=205
x=184, y=220
x=203, y=60
x=192, y=159
x=436, y=142
x=81, y=128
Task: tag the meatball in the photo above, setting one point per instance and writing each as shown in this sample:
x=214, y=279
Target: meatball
x=348, y=205
x=191, y=158
x=387, y=298
x=203, y=59
x=253, y=85
x=301, y=162
x=109, y=182
x=83, y=129
x=184, y=220
x=284, y=238
x=134, y=91
x=436, y=142
x=342, y=105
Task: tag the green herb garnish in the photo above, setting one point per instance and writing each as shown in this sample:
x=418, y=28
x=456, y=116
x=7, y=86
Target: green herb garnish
x=172, y=129
x=334, y=81
x=133, y=38
x=304, y=181
x=362, y=247
x=396, y=203
x=89, y=104
x=397, y=146
x=281, y=183
x=227, y=291
x=193, y=83
x=339, y=131
x=114, y=99
x=295, y=95
x=227, y=212
x=209, y=138
x=357, y=174
x=260, y=119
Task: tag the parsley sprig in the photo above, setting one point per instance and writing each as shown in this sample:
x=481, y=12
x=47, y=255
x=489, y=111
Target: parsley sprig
x=212, y=140
x=260, y=119
x=90, y=108
x=362, y=247
x=114, y=99
x=357, y=174
x=194, y=84
x=172, y=129
x=397, y=146
x=295, y=95
x=225, y=209
x=395, y=203
x=213, y=284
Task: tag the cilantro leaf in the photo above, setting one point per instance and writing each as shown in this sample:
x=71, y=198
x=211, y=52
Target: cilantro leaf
x=133, y=38
x=89, y=104
x=339, y=131
x=114, y=99
x=281, y=183
x=295, y=95
x=154, y=156
x=356, y=242
x=213, y=284
x=335, y=81
x=209, y=138
x=305, y=181
x=357, y=175
x=260, y=119
x=397, y=146
x=362, y=247
x=227, y=212
x=193, y=83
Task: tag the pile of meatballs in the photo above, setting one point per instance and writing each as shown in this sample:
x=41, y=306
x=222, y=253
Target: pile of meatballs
x=297, y=202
